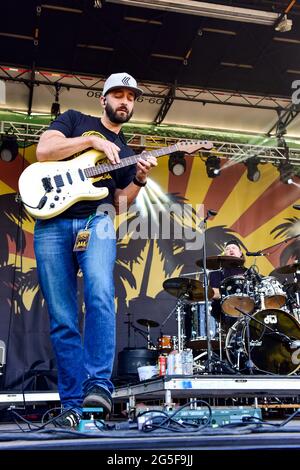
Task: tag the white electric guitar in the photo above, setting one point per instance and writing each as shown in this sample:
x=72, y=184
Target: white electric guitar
x=49, y=188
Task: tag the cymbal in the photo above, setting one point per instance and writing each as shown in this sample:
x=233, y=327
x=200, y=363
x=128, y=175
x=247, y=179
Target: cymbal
x=288, y=269
x=190, y=289
x=148, y=323
x=218, y=262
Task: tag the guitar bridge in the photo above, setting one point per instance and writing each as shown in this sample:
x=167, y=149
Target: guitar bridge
x=47, y=184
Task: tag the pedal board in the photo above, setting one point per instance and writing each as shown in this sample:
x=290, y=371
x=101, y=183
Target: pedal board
x=220, y=416
x=92, y=420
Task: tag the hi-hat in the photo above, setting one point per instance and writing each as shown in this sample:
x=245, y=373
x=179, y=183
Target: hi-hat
x=219, y=262
x=148, y=323
x=288, y=269
x=188, y=289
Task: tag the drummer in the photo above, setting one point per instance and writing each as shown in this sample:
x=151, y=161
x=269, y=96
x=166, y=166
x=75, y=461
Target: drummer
x=232, y=248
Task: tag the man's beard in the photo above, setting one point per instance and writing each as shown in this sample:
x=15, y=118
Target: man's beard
x=116, y=118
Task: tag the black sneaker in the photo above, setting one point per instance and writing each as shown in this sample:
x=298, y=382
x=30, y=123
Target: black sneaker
x=98, y=397
x=67, y=419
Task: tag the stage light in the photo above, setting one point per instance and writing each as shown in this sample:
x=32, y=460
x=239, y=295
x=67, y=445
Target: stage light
x=213, y=166
x=9, y=148
x=55, y=109
x=212, y=10
x=284, y=25
x=177, y=163
x=286, y=172
x=253, y=173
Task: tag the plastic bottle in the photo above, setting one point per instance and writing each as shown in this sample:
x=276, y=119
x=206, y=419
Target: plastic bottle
x=171, y=363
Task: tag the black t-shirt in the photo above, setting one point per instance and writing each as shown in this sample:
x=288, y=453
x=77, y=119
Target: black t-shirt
x=216, y=277
x=75, y=124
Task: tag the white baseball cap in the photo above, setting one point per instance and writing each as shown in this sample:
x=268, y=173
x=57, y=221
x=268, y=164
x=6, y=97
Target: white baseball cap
x=121, y=80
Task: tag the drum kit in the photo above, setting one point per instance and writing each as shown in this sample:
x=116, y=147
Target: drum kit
x=264, y=316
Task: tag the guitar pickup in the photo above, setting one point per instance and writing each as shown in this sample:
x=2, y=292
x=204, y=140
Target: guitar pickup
x=69, y=177
x=47, y=184
x=58, y=181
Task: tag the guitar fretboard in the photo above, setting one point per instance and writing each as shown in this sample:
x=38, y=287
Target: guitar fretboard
x=106, y=167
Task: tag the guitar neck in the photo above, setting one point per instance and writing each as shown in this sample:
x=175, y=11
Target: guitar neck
x=106, y=167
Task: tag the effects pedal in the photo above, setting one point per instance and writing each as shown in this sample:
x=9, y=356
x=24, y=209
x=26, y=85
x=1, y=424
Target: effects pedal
x=92, y=420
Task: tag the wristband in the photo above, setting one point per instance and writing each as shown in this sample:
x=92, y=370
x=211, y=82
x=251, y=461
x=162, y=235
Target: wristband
x=138, y=183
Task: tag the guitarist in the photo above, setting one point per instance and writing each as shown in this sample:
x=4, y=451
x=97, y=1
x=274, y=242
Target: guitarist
x=83, y=238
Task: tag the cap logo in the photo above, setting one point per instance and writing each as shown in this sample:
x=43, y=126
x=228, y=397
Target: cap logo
x=125, y=80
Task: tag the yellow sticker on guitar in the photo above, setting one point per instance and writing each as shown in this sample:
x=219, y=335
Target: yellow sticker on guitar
x=82, y=240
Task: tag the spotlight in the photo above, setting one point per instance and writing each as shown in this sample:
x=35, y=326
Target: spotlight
x=283, y=25
x=286, y=172
x=55, y=109
x=213, y=166
x=9, y=148
x=177, y=163
x=253, y=173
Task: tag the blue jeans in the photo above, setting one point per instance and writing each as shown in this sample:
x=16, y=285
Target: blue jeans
x=88, y=361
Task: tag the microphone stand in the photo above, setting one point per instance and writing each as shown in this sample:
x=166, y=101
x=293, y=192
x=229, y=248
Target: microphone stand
x=261, y=252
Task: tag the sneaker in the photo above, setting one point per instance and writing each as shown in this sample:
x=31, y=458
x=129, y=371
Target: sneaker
x=98, y=397
x=67, y=419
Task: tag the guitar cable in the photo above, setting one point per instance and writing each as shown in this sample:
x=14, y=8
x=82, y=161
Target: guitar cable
x=40, y=204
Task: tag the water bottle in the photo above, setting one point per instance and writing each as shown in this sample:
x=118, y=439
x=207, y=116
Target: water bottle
x=189, y=362
x=178, y=364
x=171, y=363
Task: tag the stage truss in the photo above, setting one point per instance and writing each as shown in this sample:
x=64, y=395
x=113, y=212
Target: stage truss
x=238, y=152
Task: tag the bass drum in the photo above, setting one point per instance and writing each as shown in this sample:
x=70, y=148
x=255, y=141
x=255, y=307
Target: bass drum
x=270, y=351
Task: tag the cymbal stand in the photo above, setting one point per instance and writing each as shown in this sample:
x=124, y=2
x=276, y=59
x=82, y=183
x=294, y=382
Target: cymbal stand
x=192, y=274
x=253, y=280
x=205, y=278
x=180, y=332
x=144, y=334
x=150, y=345
x=220, y=339
x=249, y=362
x=178, y=309
x=297, y=295
x=169, y=315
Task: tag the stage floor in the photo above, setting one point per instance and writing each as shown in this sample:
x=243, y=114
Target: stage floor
x=125, y=436
x=244, y=437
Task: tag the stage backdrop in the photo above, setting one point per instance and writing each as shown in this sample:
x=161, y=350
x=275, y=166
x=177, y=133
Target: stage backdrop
x=259, y=214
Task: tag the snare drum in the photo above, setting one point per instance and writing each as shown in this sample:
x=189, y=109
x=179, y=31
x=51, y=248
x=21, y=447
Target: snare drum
x=235, y=293
x=165, y=343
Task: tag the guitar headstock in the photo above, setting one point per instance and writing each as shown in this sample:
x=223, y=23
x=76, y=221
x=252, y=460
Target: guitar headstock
x=191, y=146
